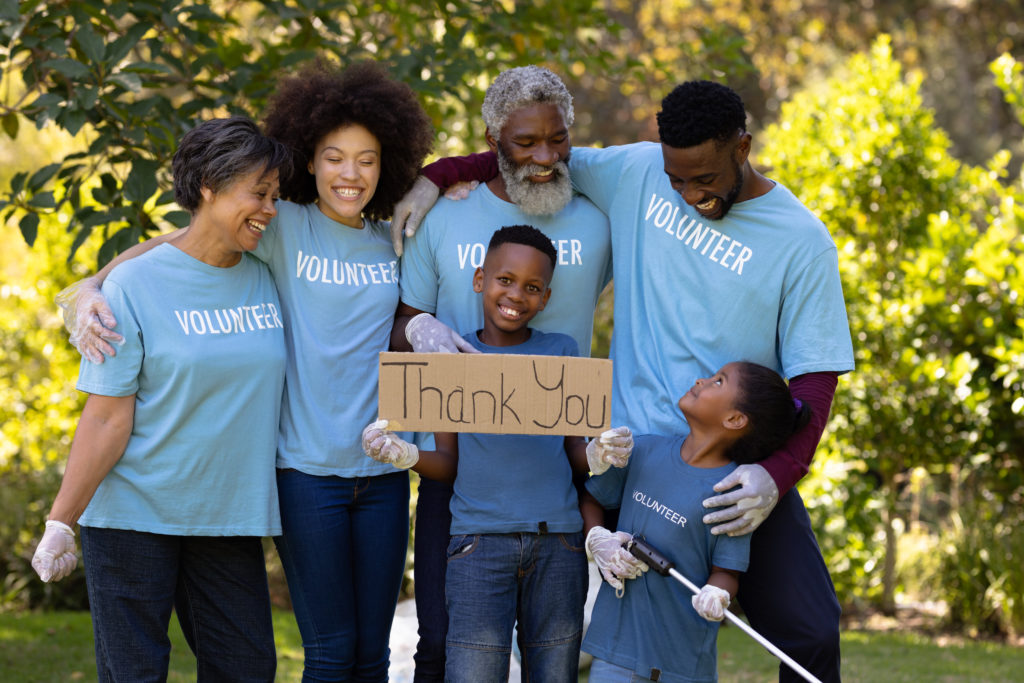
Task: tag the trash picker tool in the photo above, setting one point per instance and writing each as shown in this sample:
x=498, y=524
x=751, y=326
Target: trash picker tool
x=661, y=564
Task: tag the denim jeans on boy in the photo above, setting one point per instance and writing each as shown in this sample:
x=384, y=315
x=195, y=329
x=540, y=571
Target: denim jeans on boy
x=496, y=580
x=603, y=671
x=217, y=585
x=343, y=552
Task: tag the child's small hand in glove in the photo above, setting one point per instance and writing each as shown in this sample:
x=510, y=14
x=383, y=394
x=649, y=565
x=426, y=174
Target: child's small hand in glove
x=613, y=561
x=613, y=447
x=711, y=602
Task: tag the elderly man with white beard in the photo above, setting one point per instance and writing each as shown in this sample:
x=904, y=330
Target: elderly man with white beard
x=528, y=111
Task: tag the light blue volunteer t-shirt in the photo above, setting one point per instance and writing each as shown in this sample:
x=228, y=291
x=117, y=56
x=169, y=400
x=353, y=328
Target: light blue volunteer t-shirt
x=509, y=483
x=440, y=259
x=692, y=294
x=654, y=624
x=204, y=355
x=339, y=291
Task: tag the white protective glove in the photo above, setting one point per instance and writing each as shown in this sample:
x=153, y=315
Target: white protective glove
x=55, y=555
x=613, y=447
x=427, y=334
x=383, y=446
x=410, y=210
x=461, y=190
x=711, y=602
x=613, y=560
x=749, y=505
x=89, y=319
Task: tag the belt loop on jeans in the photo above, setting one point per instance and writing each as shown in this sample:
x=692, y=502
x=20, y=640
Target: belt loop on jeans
x=542, y=527
x=655, y=674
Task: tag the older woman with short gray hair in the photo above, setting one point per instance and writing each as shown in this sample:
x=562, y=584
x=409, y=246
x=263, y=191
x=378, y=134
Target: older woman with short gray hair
x=171, y=472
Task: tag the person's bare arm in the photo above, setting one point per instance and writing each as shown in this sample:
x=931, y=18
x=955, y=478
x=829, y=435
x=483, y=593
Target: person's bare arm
x=726, y=579
x=137, y=250
x=576, y=449
x=100, y=439
x=405, y=313
x=442, y=463
x=590, y=510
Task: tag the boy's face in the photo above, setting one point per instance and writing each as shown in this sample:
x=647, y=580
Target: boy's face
x=514, y=281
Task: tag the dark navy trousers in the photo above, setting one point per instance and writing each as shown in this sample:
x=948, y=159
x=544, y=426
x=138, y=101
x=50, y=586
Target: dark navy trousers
x=433, y=526
x=787, y=593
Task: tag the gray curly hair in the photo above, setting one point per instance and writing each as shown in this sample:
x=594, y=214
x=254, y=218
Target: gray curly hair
x=520, y=87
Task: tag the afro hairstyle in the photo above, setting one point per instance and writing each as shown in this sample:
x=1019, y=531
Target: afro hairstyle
x=320, y=98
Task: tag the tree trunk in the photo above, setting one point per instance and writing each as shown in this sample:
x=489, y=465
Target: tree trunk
x=889, y=567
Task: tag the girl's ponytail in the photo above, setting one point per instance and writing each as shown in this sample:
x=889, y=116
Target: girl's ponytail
x=773, y=415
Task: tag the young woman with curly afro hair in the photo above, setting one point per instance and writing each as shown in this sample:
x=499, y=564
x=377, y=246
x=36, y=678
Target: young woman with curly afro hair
x=358, y=138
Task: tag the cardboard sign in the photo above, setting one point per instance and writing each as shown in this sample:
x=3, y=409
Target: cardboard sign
x=495, y=393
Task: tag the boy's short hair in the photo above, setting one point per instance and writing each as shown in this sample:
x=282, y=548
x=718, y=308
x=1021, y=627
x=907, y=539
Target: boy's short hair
x=524, y=234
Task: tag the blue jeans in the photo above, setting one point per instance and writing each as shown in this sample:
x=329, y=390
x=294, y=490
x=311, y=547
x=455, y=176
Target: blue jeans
x=433, y=520
x=217, y=584
x=496, y=580
x=787, y=593
x=343, y=553
x=603, y=671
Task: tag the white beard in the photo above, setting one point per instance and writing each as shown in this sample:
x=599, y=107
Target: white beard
x=536, y=199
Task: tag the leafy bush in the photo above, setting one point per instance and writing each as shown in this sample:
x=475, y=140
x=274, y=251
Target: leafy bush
x=931, y=262
x=982, y=582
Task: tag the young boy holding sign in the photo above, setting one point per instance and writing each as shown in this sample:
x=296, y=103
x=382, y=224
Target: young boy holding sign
x=516, y=553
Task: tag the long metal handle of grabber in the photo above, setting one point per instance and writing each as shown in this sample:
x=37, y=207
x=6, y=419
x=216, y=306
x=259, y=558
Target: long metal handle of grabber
x=665, y=567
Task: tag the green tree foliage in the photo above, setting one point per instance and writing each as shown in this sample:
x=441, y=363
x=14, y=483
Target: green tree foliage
x=134, y=76
x=38, y=402
x=981, y=577
x=928, y=249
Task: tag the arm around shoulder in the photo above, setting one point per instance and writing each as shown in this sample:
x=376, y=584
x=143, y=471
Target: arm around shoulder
x=788, y=465
x=87, y=317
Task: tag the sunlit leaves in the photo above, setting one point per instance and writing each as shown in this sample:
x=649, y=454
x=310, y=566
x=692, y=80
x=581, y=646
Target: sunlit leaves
x=931, y=260
x=133, y=77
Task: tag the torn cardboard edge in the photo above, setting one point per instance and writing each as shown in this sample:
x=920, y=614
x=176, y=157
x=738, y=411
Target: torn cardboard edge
x=495, y=393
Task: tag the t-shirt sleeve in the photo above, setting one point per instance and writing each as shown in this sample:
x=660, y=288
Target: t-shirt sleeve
x=731, y=552
x=419, y=274
x=607, y=488
x=814, y=333
x=446, y=172
x=117, y=375
x=597, y=173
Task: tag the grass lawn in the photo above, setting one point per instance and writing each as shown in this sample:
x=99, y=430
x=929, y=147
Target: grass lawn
x=57, y=646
